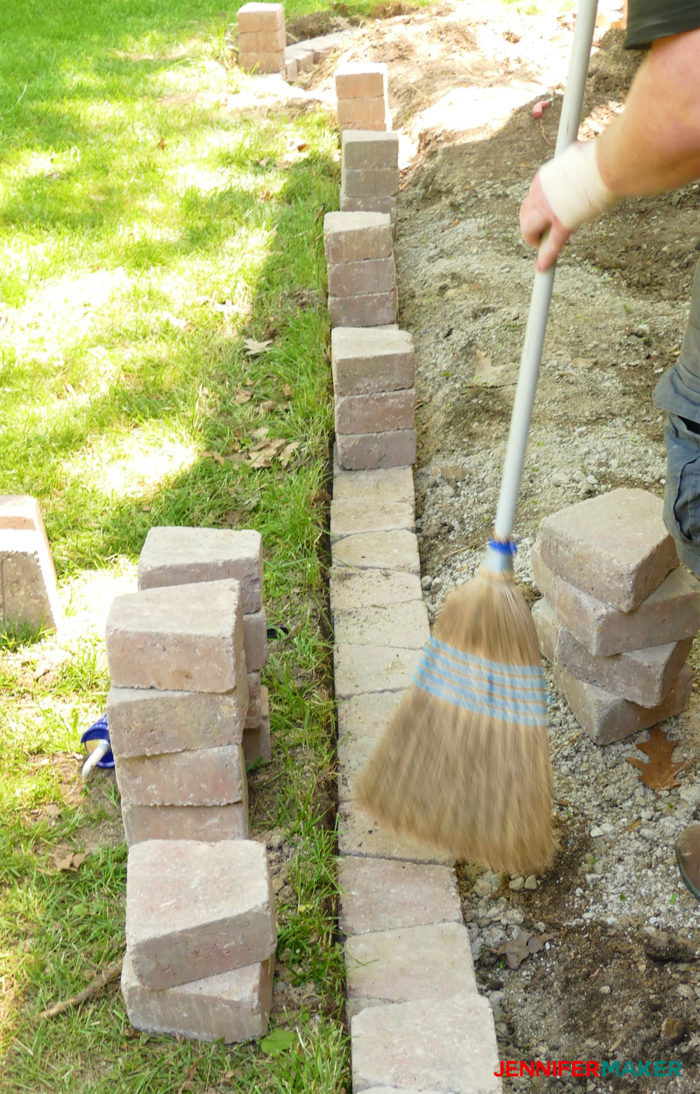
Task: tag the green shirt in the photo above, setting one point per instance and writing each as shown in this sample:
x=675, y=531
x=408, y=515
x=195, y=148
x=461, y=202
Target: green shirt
x=648, y=20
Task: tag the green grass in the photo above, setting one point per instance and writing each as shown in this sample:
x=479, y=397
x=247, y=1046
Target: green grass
x=148, y=230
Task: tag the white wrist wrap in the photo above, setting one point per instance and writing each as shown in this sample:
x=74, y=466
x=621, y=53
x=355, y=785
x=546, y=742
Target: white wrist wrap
x=573, y=187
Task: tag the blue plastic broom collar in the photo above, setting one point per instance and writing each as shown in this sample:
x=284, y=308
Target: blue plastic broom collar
x=499, y=557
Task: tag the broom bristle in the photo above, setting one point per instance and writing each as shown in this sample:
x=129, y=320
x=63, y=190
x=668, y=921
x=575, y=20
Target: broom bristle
x=464, y=762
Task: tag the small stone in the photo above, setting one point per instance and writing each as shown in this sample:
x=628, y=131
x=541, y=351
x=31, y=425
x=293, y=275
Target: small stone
x=605, y=989
x=672, y=1029
x=517, y=884
x=531, y=882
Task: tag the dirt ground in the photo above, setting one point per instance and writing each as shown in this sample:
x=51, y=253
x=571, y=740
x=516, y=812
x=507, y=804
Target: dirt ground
x=600, y=960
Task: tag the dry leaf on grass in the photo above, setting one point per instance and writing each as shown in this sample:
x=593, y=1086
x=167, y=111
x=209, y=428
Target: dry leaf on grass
x=243, y=395
x=659, y=772
x=69, y=862
x=215, y=456
x=253, y=348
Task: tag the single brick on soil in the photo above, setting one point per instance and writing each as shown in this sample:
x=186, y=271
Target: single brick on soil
x=642, y=676
x=143, y=722
x=373, y=275
x=354, y=237
x=365, y=451
x=369, y=149
x=614, y=547
x=196, y=909
x=231, y=1007
x=369, y=360
x=180, y=638
x=607, y=717
x=670, y=613
x=180, y=556
x=377, y=413
x=360, y=79
x=364, y=113
x=371, y=182
x=268, y=62
x=186, y=822
x=255, y=17
x=201, y=776
x=365, y=310
x=381, y=894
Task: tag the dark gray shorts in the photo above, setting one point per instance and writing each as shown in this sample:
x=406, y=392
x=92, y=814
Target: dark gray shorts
x=682, y=493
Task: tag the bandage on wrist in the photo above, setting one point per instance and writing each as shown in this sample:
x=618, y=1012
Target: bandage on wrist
x=573, y=186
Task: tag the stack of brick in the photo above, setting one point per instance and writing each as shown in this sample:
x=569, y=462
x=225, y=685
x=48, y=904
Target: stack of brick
x=28, y=592
x=369, y=172
x=618, y=616
x=361, y=89
x=359, y=251
x=373, y=382
x=200, y=939
x=176, y=711
x=184, y=556
x=261, y=37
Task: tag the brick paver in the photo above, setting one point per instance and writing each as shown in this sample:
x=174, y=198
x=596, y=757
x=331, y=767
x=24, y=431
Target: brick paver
x=379, y=894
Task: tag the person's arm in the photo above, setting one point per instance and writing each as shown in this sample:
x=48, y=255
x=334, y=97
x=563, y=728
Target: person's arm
x=654, y=145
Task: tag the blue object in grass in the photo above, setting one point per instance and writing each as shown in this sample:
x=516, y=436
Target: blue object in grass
x=98, y=731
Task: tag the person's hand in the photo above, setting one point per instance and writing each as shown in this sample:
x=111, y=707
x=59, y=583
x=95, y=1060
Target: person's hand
x=538, y=218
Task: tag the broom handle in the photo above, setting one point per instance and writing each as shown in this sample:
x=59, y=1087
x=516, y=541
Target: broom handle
x=542, y=288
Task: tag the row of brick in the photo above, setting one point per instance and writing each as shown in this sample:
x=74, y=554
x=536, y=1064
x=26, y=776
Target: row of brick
x=262, y=43
x=186, y=712
x=618, y=616
x=414, y=1024
x=28, y=589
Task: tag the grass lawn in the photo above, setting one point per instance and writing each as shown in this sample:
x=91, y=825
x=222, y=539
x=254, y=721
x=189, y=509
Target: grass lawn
x=163, y=360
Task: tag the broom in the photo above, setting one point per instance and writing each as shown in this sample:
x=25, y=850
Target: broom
x=464, y=762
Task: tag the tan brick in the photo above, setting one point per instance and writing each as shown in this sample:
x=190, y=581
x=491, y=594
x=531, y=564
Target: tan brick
x=185, y=822
x=375, y=487
x=381, y=894
x=202, y=776
x=379, y=203
x=429, y=1045
x=362, y=451
x=180, y=556
x=373, y=667
x=376, y=413
x=348, y=517
x=402, y=625
x=373, y=275
x=614, y=546
x=380, y=966
x=291, y=68
x=233, y=1006
x=379, y=551
x=366, y=716
x=642, y=676
x=256, y=17
x=371, y=182
x=354, y=237
x=360, y=79
x=670, y=613
x=257, y=745
x=368, y=310
x=607, y=717
x=364, y=113
x=28, y=590
x=355, y=588
x=369, y=149
x=196, y=909
x=262, y=41
x=304, y=57
x=21, y=513
x=271, y=61
x=255, y=640
x=360, y=835
x=143, y=722
x=180, y=638
x=369, y=360
x=254, y=701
